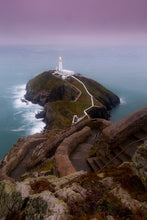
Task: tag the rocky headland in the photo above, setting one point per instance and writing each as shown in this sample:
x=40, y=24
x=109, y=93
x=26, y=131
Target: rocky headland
x=94, y=169
x=64, y=98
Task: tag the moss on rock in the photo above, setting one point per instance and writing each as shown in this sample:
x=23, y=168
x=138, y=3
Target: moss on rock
x=10, y=200
x=140, y=163
x=36, y=209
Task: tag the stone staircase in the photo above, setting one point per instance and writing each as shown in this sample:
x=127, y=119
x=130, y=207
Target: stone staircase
x=119, y=154
x=79, y=156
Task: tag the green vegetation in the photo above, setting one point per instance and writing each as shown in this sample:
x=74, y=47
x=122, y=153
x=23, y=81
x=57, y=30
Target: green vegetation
x=66, y=97
x=45, y=81
x=10, y=203
x=65, y=111
x=99, y=201
x=36, y=208
x=48, y=166
x=93, y=150
x=102, y=95
x=125, y=176
x=84, y=98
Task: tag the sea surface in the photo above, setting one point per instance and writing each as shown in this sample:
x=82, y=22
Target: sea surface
x=122, y=69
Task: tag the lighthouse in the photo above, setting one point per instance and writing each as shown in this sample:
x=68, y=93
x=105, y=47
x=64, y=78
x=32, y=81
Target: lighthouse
x=60, y=64
x=63, y=72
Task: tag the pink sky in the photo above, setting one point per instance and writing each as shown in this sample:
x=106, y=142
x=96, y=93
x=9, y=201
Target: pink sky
x=69, y=20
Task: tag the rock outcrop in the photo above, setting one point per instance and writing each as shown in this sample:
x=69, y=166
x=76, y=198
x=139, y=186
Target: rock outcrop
x=140, y=163
x=39, y=198
x=28, y=188
x=64, y=98
x=69, y=197
x=117, y=132
x=117, y=192
x=48, y=88
x=18, y=154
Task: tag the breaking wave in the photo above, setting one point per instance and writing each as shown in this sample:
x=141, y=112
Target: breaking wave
x=122, y=101
x=25, y=112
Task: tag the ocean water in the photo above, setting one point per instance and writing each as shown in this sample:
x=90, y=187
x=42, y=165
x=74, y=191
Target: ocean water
x=122, y=69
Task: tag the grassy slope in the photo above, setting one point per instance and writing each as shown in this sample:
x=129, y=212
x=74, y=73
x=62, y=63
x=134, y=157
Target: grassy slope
x=98, y=91
x=45, y=81
x=66, y=109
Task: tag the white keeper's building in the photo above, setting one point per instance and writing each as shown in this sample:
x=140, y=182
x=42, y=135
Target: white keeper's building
x=63, y=72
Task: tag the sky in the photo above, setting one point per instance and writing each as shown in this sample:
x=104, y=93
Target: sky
x=38, y=21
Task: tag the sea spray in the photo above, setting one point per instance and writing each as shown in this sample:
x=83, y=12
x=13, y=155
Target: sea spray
x=122, y=101
x=26, y=110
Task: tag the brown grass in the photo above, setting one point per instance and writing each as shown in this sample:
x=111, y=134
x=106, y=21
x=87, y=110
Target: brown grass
x=99, y=202
x=128, y=180
x=41, y=185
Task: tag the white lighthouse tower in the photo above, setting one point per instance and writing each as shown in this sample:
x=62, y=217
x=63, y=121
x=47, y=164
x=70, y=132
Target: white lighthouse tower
x=63, y=72
x=60, y=64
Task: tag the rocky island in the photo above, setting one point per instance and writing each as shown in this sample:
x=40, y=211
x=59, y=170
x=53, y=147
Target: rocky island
x=82, y=166
x=64, y=98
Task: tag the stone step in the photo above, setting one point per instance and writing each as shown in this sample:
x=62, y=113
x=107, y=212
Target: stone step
x=130, y=150
x=116, y=161
x=104, y=159
x=99, y=163
x=122, y=155
x=92, y=165
x=94, y=137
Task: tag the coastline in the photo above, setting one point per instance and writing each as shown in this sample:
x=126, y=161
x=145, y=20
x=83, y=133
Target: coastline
x=99, y=103
x=28, y=111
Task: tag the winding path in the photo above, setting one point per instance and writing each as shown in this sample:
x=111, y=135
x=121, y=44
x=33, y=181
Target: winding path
x=85, y=110
x=92, y=101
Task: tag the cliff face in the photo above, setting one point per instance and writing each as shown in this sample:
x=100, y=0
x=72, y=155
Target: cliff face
x=64, y=98
x=46, y=88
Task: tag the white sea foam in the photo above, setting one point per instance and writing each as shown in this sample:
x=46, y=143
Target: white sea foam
x=19, y=129
x=27, y=111
x=122, y=101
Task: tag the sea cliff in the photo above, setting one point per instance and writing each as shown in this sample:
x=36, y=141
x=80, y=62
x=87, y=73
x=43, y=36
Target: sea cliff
x=64, y=98
x=92, y=170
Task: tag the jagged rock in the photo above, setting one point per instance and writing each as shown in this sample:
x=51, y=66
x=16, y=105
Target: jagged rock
x=126, y=199
x=17, y=154
x=117, y=132
x=72, y=194
x=18, y=199
x=98, y=112
x=140, y=163
x=40, y=114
